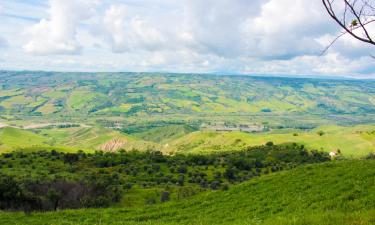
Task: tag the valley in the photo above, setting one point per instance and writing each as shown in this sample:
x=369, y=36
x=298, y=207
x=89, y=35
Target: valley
x=187, y=113
x=229, y=112
x=160, y=148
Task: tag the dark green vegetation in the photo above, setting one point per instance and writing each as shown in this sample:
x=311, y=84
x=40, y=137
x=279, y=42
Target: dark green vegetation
x=331, y=193
x=52, y=180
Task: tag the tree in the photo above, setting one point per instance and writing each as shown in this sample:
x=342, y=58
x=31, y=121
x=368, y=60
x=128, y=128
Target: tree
x=164, y=196
x=354, y=17
x=70, y=158
x=54, y=196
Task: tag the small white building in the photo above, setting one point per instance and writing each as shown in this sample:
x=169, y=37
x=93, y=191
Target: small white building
x=334, y=154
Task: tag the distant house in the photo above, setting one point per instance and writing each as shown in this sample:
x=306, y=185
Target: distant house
x=333, y=154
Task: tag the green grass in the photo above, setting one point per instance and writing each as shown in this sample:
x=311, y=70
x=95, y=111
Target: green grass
x=68, y=139
x=79, y=98
x=165, y=134
x=11, y=138
x=331, y=193
x=356, y=142
x=47, y=108
x=92, y=138
x=352, y=141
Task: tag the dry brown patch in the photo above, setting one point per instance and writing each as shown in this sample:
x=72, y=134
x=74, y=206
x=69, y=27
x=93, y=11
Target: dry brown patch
x=113, y=145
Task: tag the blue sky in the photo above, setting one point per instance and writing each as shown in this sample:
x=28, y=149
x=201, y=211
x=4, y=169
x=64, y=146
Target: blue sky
x=210, y=36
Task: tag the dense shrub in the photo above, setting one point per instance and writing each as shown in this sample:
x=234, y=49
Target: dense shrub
x=54, y=180
x=26, y=194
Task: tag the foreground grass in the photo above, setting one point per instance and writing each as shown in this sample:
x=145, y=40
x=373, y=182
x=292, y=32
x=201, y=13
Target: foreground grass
x=330, y=193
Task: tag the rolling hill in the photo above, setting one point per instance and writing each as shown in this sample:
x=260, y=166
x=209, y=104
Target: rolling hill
x=12, y=138
x=357, y=141
x=165, y=134
x=117, y=99
x=354, y=141
x=70, y=139
x=326, y=194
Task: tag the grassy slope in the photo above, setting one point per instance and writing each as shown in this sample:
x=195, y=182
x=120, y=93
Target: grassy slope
x=331, y=193
x=93, y=137
x=355, y=141
x=69, y=139
x=165, y=134
x=352, y=141
x=11, y=138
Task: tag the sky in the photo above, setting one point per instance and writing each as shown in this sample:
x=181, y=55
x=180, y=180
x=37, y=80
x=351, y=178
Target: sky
x=274, y=37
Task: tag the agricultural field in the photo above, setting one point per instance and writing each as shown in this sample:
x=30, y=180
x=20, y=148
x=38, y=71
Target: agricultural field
x=167, y=112
x=184, y=98
x=154, y=148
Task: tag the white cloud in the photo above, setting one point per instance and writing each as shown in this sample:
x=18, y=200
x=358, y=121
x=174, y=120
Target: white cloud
x=130, y=33
x=3, y=42
x=257, y=36
x=58, y=34
x=286, y=29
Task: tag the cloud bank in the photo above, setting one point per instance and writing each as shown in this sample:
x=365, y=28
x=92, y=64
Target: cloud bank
x=228, y=36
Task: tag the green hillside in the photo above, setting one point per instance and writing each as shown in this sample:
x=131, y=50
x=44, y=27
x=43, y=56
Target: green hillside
x=352, y=141
x=165, y=134
x=329, y=193
x=117, y=99
x=93, y=138
x=356, y=141
x=11, y=138
x=71, y=139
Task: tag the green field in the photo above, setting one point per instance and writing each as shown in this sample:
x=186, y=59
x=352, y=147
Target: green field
x=71, y=139
x=12, y=138
x=330, y=193
x=356, y=141
x=163, y=148
x=123, y=98
x=352, y=141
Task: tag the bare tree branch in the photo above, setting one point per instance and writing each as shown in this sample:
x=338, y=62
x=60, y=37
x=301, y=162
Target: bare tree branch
x=361, y=13
x=339, y=36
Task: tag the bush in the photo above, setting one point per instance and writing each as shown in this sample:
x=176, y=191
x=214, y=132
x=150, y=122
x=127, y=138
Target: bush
x=164, y=196
x=182, y=169
x=215, y=185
